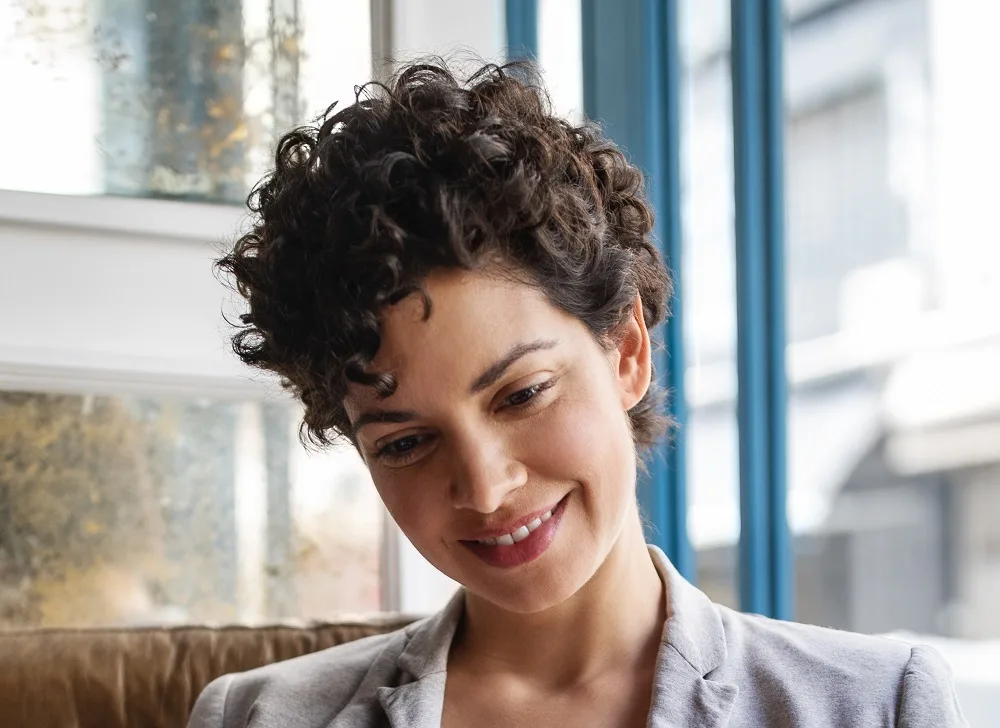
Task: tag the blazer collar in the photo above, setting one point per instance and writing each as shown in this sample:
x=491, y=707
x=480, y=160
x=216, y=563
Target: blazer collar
x=693, y=646
x=423, y=664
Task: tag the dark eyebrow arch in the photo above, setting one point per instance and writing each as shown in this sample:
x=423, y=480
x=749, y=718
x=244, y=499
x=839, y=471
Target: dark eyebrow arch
x=381, y=416
x=485, y=380
x=496, y=370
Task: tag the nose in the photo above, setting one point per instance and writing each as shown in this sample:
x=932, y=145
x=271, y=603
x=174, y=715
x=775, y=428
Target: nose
x=485, y=473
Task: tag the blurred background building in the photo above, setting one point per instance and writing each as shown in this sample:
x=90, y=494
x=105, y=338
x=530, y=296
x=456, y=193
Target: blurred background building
x=146, y=478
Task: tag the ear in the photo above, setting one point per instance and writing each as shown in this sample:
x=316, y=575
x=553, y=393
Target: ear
x=633, y=358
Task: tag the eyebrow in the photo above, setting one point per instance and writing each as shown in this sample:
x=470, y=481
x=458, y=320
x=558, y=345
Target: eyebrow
x=374, y=417
x=485, y=380
x=496, y=370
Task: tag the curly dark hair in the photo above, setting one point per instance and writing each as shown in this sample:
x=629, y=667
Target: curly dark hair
x=430, y=171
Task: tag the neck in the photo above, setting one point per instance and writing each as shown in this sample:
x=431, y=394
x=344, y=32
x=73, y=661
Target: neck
x=585, y=636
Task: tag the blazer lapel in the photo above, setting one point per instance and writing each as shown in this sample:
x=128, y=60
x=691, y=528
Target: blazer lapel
x=415, y=705
x=418, y=702
x=416, y=672
x=694, y=644
x=683, y=697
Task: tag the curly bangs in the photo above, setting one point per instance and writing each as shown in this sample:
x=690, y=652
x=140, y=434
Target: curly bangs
x=433, y=171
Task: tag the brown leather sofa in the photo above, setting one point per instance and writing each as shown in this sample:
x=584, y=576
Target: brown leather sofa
x=143, y=678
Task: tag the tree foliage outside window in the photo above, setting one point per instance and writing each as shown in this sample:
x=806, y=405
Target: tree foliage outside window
x=134, y=511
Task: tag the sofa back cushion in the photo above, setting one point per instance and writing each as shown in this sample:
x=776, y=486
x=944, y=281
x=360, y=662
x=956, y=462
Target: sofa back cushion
x=148, y=678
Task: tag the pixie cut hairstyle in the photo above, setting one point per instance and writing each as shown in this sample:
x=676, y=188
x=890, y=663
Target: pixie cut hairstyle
x=435, y=171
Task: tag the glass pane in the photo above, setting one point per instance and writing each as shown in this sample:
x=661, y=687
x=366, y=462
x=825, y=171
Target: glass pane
x=893, y=294
x=167, y=99
x=155, y=510
x=708, y=285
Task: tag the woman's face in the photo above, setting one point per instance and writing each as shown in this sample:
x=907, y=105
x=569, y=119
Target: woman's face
x=505, y=454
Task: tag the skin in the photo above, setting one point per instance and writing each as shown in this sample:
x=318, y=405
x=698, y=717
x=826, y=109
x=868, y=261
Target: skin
x=450, y=459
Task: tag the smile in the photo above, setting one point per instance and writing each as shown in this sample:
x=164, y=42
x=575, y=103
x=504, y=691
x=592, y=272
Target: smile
x=522, y=545
x=509, y=539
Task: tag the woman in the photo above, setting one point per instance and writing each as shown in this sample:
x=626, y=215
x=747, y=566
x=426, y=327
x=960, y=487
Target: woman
x=463, y=285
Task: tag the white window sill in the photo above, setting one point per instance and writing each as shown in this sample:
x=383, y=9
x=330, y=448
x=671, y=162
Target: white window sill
x=174, y=219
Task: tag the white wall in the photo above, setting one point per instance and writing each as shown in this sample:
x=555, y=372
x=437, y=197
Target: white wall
x=447, y=27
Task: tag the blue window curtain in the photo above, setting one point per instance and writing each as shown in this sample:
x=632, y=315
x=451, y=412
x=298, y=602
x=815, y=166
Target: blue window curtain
x=522, y=29
x=758, y=116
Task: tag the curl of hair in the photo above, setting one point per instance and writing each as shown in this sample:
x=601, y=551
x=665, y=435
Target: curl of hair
x=426, y=172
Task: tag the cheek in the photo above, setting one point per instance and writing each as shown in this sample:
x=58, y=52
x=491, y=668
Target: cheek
x=584, y=437
x=415, y=509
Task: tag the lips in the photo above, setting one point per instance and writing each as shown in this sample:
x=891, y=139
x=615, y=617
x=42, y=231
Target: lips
x=518, y=531
x=526, y=540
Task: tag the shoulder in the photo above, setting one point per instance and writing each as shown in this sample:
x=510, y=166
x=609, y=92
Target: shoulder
x=928, y=694
x=313, y=688
x=782, y=645
x=832, y=677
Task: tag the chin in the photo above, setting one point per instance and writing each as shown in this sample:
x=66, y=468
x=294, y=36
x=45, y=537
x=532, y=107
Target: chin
x=533, y=601
x=557, y=577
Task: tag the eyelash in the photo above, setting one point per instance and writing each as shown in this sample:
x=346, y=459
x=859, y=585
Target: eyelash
x=403, y=458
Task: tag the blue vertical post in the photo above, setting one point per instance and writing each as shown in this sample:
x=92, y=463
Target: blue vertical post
x=631, y=78
x=758, y=122
x=522, y=29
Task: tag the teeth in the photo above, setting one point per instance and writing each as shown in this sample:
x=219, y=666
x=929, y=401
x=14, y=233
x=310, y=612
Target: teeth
x=519, y=535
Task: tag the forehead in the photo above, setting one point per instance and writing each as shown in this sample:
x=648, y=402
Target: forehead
x=475, y=318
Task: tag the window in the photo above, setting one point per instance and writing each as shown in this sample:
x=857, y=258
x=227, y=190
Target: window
x=891, y=300
x=146, y=507
x=894, y=469
x=560, y=55
x=708, y=287
x=165, y=99
x=164, y=510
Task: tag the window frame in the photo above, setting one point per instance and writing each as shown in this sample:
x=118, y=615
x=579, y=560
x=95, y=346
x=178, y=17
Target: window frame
x=632, y=89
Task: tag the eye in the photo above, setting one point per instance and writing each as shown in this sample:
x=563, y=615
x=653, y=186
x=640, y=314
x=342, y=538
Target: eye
x=527, y=396
x=403, y=450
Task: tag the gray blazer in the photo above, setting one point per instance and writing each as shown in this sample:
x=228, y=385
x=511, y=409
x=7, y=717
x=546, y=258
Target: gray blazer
x=716, y=667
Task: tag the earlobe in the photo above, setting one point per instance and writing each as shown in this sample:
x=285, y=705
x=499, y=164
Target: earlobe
x=635, y=366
